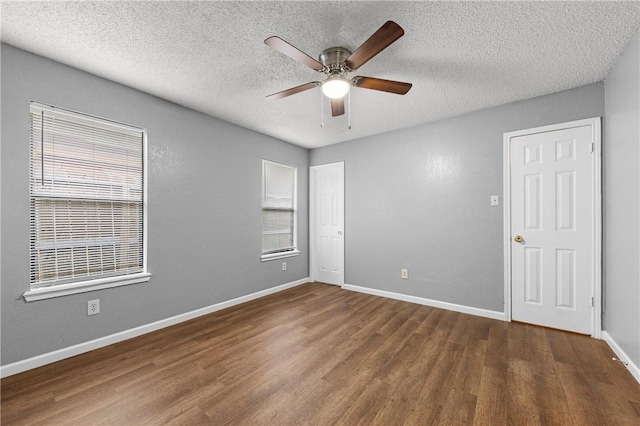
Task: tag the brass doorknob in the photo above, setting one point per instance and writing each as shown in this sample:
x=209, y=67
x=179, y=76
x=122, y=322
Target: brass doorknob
x=518, y=239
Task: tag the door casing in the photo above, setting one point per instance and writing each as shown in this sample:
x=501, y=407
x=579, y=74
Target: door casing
x=596, y=135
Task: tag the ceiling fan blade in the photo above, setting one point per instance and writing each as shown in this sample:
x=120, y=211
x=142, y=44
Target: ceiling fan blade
x=294, y=53
x=386, y=34
x=337, y=107
x=294, y=90
x=390, y=86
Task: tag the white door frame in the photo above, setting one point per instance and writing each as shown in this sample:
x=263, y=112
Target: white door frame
x=596, y=137
x=312, y=221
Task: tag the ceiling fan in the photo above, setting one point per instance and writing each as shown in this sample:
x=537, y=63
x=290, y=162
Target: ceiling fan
x=336, y=62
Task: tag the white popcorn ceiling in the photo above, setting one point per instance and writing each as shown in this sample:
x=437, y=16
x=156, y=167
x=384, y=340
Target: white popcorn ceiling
x=210, y=56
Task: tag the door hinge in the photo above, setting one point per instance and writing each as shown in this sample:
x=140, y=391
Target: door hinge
x=592, y=302
x=592, y=147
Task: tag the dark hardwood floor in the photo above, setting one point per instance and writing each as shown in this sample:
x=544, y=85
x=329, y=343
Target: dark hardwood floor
x=320, y=355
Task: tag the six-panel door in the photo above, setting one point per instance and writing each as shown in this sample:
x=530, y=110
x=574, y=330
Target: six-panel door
x=552, y=212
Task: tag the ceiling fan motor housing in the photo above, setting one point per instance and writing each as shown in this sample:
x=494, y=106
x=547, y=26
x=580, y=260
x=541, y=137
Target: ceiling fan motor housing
x=333, y=58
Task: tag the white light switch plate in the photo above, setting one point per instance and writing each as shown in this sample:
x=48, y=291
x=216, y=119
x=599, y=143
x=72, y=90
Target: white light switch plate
x=495, y=200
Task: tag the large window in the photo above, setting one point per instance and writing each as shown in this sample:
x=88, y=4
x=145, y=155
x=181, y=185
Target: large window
x=87, y=203
x=278, y=210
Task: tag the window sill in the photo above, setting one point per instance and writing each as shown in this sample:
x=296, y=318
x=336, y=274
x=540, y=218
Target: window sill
x=84, y=286
x=275, y=256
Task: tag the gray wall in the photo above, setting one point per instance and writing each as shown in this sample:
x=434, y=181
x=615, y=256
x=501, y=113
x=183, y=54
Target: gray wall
x=622, y=202
x=204, y=210
x=419, y=198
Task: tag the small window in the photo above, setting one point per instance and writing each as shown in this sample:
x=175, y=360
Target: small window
x=278, y=210
x=87, y=203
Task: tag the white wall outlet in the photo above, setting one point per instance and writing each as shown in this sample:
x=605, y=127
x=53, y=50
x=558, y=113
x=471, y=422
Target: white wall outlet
x=404, y=274
x=284, y=266
x=495, y=200
x=93, y=307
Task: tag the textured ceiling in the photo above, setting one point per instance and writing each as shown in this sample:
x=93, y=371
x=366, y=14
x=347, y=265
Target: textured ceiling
x=210, y=56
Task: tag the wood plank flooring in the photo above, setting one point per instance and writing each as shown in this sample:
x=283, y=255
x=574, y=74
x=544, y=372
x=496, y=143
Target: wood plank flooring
x=320, y=355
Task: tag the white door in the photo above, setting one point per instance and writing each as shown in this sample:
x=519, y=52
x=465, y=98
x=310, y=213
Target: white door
x=552, y=228
x=327, y=223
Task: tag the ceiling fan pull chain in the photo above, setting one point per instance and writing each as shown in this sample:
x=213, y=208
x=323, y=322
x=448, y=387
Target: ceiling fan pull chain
x=321, y=109
x=349, y=109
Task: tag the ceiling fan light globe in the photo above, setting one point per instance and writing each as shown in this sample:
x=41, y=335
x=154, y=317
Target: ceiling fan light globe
x=335, y=88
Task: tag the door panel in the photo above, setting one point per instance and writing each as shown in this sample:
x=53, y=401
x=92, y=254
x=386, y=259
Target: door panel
x=552, y=209
x=565, y=278
x=532, y=213
x=533, y=274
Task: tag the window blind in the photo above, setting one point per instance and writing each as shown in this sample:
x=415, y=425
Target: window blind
x=86, y=196
x=278, y=207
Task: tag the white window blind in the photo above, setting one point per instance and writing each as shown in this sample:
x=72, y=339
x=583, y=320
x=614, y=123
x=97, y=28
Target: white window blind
x=278, y=207
x=86, y=194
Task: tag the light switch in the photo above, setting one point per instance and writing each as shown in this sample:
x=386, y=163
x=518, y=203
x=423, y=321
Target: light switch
x=495, y=200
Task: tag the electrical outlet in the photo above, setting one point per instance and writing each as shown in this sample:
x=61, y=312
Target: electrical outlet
x=404, y=274
x=284, y=266
x=93, y=307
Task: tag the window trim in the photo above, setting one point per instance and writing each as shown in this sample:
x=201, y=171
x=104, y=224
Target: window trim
x=265, y=257
x=280, y=255
x=52, y=291
x=66, y=289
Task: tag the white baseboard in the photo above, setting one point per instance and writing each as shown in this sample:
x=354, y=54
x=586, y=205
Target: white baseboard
x=48, y=358
x=622, y=356
x=428, y=302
